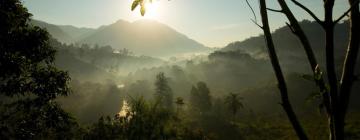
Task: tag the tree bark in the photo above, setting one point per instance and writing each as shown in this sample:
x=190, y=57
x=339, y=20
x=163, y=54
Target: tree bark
x=279, y=75
x=328, y=26
x=347, y=78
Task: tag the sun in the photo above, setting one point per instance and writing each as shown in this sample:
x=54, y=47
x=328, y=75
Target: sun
x=152, y=10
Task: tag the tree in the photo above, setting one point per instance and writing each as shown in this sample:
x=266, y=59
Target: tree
x=144, y=121
x=163, y=94
x=233, y=103
x=200, y=98
x=179, y=104
x=298, y=31
x=29, y=79
x=279, y=74
x=335, y=100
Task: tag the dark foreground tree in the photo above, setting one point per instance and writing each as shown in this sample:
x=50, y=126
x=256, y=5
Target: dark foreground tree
x=335, y=101
x=285, y=102
x=29, y=81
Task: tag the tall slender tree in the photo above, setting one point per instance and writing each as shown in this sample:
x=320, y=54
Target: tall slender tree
x=164, y=94
x=279, y=74
x=339, y=99
x=318, y=77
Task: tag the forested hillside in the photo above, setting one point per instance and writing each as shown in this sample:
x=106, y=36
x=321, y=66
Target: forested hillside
x=143, y=80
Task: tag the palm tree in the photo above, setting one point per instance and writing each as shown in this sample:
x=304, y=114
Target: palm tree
x=233, y=103
x=179, y=103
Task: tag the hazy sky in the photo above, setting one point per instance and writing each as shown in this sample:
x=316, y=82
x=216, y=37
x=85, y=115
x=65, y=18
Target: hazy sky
x=214, y=23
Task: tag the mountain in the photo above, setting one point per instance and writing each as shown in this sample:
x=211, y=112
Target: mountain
x=75, y=32
x=64, y=33
x=78, y=69
x=145, y=37
x=243, y=67
x=98, y=64
x=54, y=30
x=290, y=51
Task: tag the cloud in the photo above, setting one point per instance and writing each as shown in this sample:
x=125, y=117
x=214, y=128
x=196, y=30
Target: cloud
x=225, y=27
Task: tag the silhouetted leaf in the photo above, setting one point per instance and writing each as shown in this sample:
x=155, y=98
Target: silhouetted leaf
x=318, y=73
x=313, y=96
x=308, y=77
x=142, y=10
x=135, y=4
x=142, y=4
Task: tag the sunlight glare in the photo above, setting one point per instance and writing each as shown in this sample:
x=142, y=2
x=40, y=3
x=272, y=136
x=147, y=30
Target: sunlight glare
x=152, y=10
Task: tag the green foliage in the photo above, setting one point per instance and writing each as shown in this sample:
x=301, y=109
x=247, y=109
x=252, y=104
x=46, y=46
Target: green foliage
x=29, y=119
x=90, y=100
x=200, y=98
x=26, y=57
x=179, y=101
x=233, y=102
x=82, y=60
x=29, y=82
x=144, y=121
x=142, y=4
x=164, y=94
x=179, y=105
x=308, y=77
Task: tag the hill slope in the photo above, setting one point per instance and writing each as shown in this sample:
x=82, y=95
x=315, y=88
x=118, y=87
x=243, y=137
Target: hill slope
x=75, y=32
x=289, y=48
x=145, y=37
x=54, y=30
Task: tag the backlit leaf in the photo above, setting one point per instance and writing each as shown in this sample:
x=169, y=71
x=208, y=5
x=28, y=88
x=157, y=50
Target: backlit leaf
x=135, y=4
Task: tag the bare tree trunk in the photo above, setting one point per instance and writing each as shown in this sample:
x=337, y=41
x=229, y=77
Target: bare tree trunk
x=279, y=75
x=298, y=31
x=347, y=78
x=339, y=102
x=328, y=26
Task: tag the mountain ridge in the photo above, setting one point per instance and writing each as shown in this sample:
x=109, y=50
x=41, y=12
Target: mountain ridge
x=54, y=30
x=143, y=37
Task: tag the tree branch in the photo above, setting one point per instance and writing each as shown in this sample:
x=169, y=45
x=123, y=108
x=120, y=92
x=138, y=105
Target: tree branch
x=309, y=12
x=291, y=28
x=257, y=24
x=347, y=12
x=274, y=10
x=252, y=10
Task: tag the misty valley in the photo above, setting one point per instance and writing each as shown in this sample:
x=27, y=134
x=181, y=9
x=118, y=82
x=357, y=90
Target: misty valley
x=144, y=80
